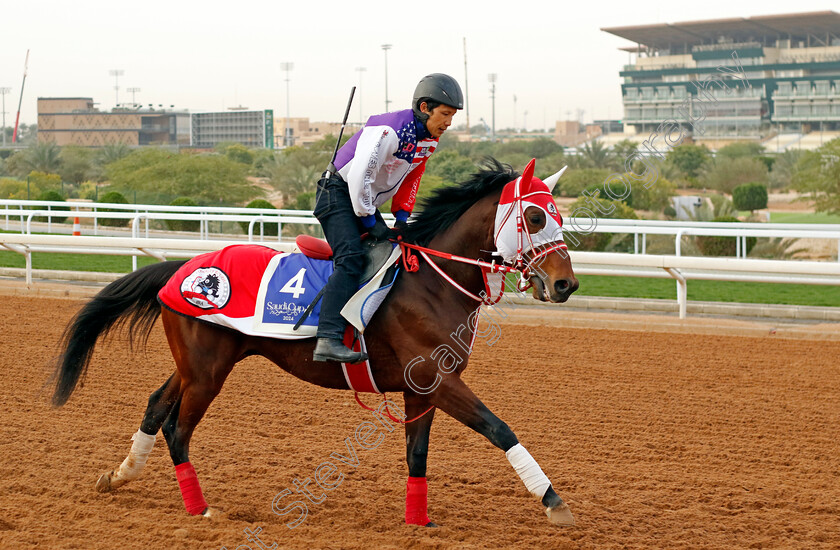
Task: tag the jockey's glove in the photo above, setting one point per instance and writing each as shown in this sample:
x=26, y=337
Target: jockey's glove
x=380, y=231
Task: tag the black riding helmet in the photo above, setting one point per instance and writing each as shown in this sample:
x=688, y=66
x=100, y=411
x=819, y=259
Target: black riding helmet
x=437, y=88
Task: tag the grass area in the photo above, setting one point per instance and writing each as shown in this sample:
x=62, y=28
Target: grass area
x=74, y=262
x=803, y=217
x=711, y=291
x=590, y=285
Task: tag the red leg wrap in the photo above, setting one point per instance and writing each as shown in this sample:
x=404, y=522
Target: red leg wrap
x=416, y=501
x=190, y=489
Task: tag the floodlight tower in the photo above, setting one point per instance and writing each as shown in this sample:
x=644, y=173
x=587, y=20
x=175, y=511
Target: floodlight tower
x=3, y=92
x=492, y=77
x=360, y=70
x=116, y=73
x=132, y=91
x=385, y=48
x=288, y=68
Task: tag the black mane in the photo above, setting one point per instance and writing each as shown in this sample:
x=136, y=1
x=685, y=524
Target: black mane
x=448, y=203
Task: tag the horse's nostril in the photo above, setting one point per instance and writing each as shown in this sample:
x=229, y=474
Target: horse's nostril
x=561, y=286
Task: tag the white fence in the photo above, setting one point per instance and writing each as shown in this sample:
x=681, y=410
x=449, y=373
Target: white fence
x=681, y=268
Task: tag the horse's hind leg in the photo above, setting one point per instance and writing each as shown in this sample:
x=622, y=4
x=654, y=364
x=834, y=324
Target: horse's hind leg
x=160, y=404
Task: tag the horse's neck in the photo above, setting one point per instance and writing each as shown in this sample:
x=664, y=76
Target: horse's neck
x=471, y=237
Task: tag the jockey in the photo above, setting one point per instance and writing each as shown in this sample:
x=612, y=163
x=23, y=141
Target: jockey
x=384, y=160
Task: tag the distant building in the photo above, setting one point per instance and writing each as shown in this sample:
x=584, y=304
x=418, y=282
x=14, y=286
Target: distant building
x=250, y=128
x=609, y=126
x=791, y=62
x=76, y=121
x=571, y=133
x=303, y=132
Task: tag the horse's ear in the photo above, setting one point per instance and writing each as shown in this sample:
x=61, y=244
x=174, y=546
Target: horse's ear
x=525, y=178
x=551, y=181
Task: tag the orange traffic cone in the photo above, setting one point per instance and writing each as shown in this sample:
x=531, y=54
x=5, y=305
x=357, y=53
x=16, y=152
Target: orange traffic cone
x=77, y=227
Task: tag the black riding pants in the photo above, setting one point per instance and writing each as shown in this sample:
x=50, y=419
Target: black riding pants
x=342, y=228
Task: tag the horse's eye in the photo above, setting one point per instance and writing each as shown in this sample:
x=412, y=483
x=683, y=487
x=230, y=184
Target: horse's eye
x=535, y=220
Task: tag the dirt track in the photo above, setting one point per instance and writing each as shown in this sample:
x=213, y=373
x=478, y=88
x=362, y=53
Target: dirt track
x=656, y=441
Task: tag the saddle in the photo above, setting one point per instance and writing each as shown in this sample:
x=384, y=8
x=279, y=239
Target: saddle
x=377, y=253
x=379, y=273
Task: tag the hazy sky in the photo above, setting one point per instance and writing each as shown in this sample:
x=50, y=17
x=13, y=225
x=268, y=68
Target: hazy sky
x=213, y=55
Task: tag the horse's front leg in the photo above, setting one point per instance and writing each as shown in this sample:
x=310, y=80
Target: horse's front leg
x=416, y=451
x=456, y=399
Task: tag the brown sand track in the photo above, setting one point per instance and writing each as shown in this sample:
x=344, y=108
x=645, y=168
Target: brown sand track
x=656, y=441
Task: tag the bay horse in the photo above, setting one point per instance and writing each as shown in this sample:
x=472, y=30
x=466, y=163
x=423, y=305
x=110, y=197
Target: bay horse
x=460, y=233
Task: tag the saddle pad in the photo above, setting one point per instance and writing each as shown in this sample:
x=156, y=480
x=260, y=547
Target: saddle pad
x=258, y=291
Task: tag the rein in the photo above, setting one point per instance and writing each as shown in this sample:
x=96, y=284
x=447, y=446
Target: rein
x=523, y=268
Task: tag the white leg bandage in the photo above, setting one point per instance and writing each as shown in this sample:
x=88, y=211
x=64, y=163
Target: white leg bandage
x=136, y=459
x=529, y=471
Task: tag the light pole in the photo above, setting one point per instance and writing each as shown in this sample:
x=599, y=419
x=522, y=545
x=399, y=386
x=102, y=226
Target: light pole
x=525, y=122
x=492, y=79
x=3, y=92
x=514, y=113
x=385, y=48
x=117, y=73
x=360, y=71
x=286, y=137
x=133, y=91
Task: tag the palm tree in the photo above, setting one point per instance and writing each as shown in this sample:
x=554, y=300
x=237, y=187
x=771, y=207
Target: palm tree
x=596, y=155
x=43, y=157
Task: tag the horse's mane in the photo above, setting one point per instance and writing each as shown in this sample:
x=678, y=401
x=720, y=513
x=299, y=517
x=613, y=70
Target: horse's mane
x=448, y=203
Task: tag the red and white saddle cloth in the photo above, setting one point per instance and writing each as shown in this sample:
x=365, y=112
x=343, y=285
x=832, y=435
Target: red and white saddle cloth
x=232, y=288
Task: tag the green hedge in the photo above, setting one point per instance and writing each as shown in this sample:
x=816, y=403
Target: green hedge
x=750, y=196
x=183, y=225
x=269, y=229
x=113, y=197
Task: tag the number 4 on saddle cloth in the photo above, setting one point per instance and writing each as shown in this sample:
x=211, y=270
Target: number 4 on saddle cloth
x=259, y=291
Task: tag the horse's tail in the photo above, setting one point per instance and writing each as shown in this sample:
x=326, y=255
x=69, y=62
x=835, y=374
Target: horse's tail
x=132, y=299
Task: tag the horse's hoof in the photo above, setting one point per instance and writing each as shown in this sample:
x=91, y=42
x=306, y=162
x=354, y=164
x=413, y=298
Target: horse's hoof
x=212, y=513
x=431, y=524
x=560, y=515
x=104, y=485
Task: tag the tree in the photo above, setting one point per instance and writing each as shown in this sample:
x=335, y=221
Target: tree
x=784, y=168
x=624, y=149
x=41, y=157
x=725, y=174
x=450, y=166
x=162, y=175
x=818, y=174
x=575, y=181
x=595, y=155
x=750, y=196
x=689, y=159
x=740, y=149
x=77, y=164
x=239, y=153
x=297, y=169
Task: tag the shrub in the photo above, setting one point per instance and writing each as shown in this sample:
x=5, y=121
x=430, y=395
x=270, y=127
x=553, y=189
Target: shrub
x=670, y=212
x=750, y=196
x=575, y=181
x=615, y=190
x=113, y=197
x=269, y=228
x=721, y=246
x=582, y=208
x=51, y=196
x=183, y=225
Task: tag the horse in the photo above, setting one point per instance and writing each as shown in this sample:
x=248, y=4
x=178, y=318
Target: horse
x=459, y=233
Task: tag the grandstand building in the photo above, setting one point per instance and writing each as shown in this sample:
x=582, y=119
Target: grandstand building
x=76, y=121
x=784, y=75
x=250, y=128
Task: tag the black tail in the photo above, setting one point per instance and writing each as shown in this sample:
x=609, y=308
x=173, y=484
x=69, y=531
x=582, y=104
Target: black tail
x=131, y=298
